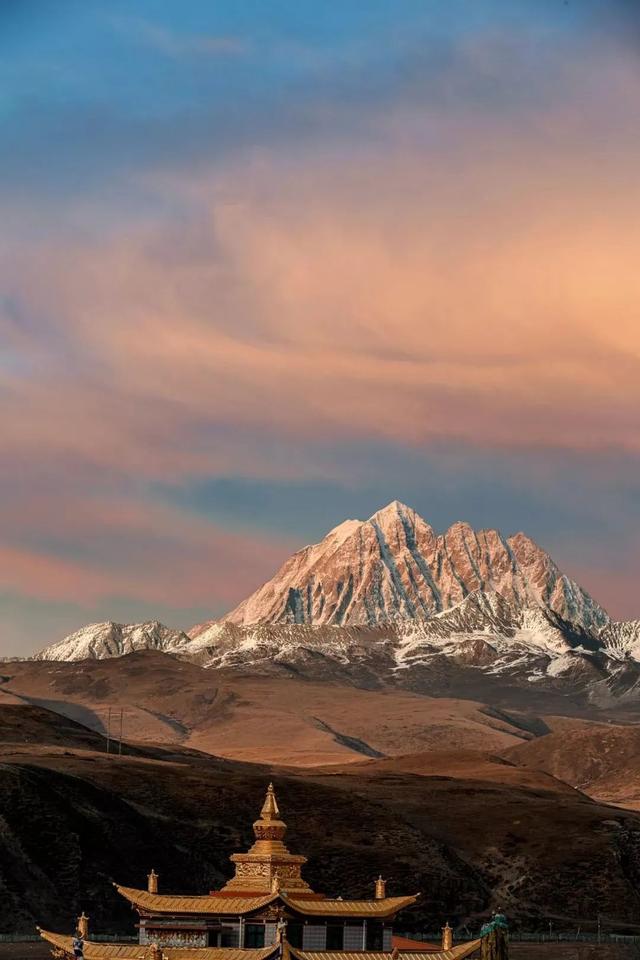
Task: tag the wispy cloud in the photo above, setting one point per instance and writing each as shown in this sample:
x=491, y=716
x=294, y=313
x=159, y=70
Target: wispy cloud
x=176, y=43
x=94, y=547
x=441, y=252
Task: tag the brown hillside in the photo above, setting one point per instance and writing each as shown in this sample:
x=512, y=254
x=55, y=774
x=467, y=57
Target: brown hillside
x=166, y=700
x=602, y=759
x=74, y=820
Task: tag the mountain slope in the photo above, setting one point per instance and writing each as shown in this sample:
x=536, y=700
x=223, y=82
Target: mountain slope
x=99, y=641
x=169, y=700
x=393, y=566
x=469, y=845
x=622, y=639
x=483, y=648
x=600, y=759
x=389, y=602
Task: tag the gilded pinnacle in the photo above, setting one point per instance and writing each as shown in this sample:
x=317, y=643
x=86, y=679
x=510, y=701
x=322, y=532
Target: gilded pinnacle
x=270, y=809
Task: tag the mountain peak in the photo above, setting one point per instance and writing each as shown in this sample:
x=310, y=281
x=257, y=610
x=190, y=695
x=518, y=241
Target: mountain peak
x=394, y=509
x=460, y=527
x=340, y=533
x=394, y=567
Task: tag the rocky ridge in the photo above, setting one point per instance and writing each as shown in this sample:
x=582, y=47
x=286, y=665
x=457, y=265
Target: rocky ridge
x=387, y=601
x=99, y=641
x=393, y=566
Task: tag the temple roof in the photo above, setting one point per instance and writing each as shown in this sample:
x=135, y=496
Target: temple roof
x=236, y=906
x=456, y=953
x=134, y=951
x=167, y=903
x=386, y=907
x=265, y=873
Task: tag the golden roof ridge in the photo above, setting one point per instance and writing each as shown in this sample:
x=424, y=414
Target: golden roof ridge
x=354, y=908
x=207, y=903
x=459, y=952
x=94, y=950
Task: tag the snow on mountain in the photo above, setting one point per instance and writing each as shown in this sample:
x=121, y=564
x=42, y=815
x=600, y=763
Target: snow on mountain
x=387, y=600
x=99, y=641
x=622, y=639
x=393, y=566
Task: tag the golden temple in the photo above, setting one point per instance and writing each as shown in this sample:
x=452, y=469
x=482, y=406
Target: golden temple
x=267, y=910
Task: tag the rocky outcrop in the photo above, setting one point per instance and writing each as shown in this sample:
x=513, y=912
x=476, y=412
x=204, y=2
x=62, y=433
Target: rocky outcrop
x=393, y=567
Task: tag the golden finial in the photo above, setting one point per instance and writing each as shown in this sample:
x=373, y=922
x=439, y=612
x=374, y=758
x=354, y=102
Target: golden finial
x=381, y=888
x=152, y=882
x=83, y=925
x=447, y=937
x=275, y=884
x=269, y=826
x=270, y=806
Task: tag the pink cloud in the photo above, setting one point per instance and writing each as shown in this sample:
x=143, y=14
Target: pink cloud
x=408, y=295
x=453, y=277
x=128, y=549
x=34, y=574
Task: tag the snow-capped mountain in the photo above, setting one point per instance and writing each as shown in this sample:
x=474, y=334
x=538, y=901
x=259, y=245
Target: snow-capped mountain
x=393, y=566
x=483, y=629
x=389, y=601
x=99, y=641
x=484, y=647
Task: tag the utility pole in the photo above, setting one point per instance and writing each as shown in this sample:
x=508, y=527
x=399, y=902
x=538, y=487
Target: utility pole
x=109, y=730
x=120, y=740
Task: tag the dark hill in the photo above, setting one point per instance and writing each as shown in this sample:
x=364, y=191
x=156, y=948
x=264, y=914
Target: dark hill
x=74, y=821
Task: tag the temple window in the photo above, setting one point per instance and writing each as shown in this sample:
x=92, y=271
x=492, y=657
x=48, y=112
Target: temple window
x=335, y=936
x=254, y=935
x=374, y=939
x=230, y=935
x=353, y=935
x=314, y=936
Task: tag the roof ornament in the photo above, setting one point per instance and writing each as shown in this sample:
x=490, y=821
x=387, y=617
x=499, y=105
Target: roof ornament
x=269, y=826
x=270, y=809
x=381, y=888
x=281, y=929
x=447, y=937
x=83, y=926
x=152, y=882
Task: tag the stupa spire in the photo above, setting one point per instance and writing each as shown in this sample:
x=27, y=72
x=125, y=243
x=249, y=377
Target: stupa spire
x=268, y=866
x=269, y=826
x=270, y=809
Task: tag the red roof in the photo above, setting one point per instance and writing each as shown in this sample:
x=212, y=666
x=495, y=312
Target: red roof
x=403, y=943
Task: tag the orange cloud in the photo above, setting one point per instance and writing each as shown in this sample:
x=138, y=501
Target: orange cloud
x=483, y=288
x=127, y=548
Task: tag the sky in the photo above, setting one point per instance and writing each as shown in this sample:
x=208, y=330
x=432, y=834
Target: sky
x=266, y=266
